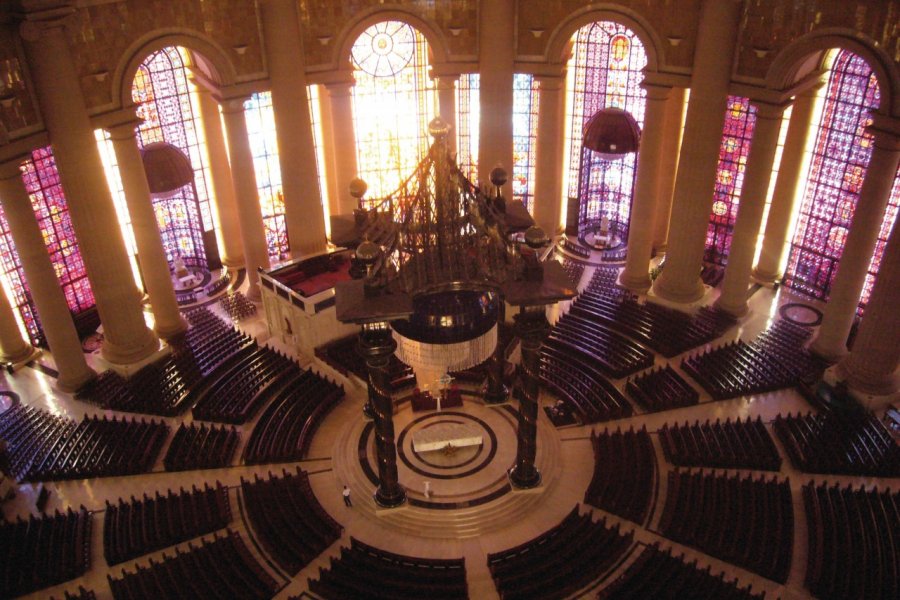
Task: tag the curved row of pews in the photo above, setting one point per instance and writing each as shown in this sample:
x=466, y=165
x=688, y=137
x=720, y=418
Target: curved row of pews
x=44, y=447
x=43, y=551
x=138, y=527
x=839, y=443
x=854, y=542
x=657, y=574
x=363, y=571
x=285, y=429
x=203, y=447
x=739, y=445
x=747, y=522
x=624, y=473
x=776, y=359
x=661, y=389
x=289, y=521
x=567, y=558
x=613, y=353
x=237, y=306
x=222, y=568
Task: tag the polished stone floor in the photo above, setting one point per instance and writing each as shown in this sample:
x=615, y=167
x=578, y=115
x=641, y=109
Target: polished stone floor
x=471, y=510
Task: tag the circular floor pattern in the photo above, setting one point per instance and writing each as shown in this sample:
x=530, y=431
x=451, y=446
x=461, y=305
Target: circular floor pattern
x=801, y=314
x=7, y=401
x=475, y=474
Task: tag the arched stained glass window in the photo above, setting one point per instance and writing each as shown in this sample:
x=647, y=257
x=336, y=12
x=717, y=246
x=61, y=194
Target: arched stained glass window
x=839, y=161
x=52, y=213
x=165, y=102
x=393, y=101
x=468, y=112
x=526, y=95
x=737, y=133
x=264, y=147
x=605, y=71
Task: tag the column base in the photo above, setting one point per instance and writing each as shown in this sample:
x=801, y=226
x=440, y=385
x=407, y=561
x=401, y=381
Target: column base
x=168, y=333
x=128, y=369
x=638, y=284
x=765, y=278
x=691, y=293
x=253, y=294
x=735, y=310
x=525, y=480
x=389, y=499
x=495, y=397
x=827, y=353
x=233, y=263
x=872, y=390
x=73, y=383
x=22, y=357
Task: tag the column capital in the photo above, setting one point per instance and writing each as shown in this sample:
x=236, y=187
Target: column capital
x=551, y=82
x=35, y=24
x=12, y=167
x=339, y=88
x=123, y=130
x=657, y=91
x=769, y=110
x=446, y=81
x=232, y=105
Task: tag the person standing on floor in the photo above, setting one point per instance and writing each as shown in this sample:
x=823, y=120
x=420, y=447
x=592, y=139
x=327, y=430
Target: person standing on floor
x=346, y=494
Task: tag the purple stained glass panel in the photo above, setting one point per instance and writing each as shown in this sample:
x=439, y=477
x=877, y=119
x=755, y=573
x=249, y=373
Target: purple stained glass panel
x=526, y=95
x=606, y=71
x=837, y=170
x=162, y=95
x=467, y=122
x=737, y=133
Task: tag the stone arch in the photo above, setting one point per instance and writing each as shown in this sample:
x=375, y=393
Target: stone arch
x=557, y=45
x=793, y=61
x=347, y=37
x=214, y=58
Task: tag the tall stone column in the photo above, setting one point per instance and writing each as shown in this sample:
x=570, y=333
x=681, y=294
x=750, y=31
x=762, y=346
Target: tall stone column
x=343, y=150
x=151, y=255
x=532, y=328
x=871, y=367
x=303, y=212
x=446, y=88
x=636, y=275
x=851, y=273
x=230, y=248
x=331, y=194
x=494, y=389
x=48, y=297
x=733, y=299
x=668, y=167
x=127, y=339
x=496, y=51
x=695, y=181
x=243, y=179
x=13, y=347
x=549, y=153
x=377, y=345
x=784, y=196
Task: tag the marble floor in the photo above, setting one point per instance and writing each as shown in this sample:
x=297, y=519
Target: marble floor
x=471, y=511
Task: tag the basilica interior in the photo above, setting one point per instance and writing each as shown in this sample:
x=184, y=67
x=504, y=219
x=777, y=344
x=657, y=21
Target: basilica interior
x=335, y=299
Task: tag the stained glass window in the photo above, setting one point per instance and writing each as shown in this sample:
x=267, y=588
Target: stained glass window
x=264, y=147
x=525, y=119
x=605, y=71
x=165, y=101
x=315, y=117
x=887, y=225
x=52, y=213
x=468, y=111
x=839, y=161
x=740, y=119
x=393, y=101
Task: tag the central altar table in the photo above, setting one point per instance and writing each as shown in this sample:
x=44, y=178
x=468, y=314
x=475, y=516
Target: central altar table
x=445, y=435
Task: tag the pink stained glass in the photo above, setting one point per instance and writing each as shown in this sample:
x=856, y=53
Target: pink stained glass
x=526, y=96
x=393, y=101
x=42, y=182
x=737, y=133
x=162, y=95
x=264, y=146
x=467, y=122
x=839, y=161
x=606, y=71
x=887, y=225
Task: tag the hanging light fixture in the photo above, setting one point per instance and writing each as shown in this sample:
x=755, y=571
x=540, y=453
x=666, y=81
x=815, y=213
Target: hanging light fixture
x=168, y=168
x=613, y=133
